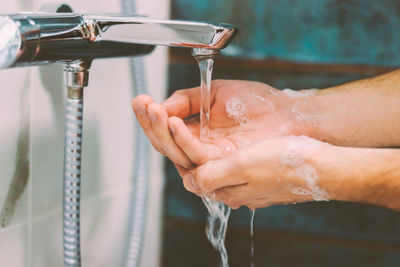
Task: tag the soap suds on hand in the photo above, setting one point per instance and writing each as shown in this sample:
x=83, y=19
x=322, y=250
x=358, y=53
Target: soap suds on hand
x=271, y=107
x=293, y=158
x=296, y=94
x=236, y=110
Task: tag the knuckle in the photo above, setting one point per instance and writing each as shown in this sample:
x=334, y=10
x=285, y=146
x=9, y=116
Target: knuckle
x=179, y=93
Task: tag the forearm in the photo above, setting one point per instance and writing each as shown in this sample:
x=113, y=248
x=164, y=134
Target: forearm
x=362, y=175
x=364, y=113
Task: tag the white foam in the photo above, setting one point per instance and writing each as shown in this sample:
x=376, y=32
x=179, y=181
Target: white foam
x=296, y=94
x=293, y=157
x=262, y=99
x=273, y=92
x=271, y=107
x=301, y=191
x=236, y=110
x=297, y=113
x=309, y=174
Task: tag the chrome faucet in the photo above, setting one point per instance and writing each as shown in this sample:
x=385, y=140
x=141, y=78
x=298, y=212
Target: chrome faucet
x=40, y=38
x=29, y=39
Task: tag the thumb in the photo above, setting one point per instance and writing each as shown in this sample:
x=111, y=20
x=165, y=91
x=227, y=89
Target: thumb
x=183, y=103
x=216, y=174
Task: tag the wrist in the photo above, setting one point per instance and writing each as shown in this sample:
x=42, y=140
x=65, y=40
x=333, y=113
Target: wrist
x=327, y=116
x=345, y=175
x=313, y=115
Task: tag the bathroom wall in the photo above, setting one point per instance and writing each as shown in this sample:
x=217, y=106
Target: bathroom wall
x=31, y=155
x=289, y=44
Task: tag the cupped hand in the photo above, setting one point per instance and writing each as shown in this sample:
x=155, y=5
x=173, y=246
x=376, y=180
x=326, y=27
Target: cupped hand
x=274, y=171
x=242, y=113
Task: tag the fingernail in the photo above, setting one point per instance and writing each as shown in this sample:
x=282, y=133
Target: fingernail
x=191, y=184
x=153, y=117
x=140, y=109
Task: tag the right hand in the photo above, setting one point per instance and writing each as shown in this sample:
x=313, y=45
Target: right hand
x=242, y=113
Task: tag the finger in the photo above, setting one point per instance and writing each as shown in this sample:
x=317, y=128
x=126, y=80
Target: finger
x=217, y=174
x=140, y=104
x=183, y=103
x=187, y=184
x=190, y=186
x=181, y=170
x=186, y=102
x=160, y=130
x=198, y=152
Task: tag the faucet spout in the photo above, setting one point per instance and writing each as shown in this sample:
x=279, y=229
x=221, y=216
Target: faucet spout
x=178, y=33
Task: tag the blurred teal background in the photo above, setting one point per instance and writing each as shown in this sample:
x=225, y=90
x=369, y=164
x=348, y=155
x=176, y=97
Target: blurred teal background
x=294, y=44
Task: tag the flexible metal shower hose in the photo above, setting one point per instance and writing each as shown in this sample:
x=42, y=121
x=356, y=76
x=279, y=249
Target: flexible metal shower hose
x=72, y=182
x=138, y=202
x=138, y=199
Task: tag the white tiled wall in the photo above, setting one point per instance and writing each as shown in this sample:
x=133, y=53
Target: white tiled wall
x=35, y=97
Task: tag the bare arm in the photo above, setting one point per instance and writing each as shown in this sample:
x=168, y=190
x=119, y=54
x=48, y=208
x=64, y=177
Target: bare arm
x=362, y=175
x=364, y=113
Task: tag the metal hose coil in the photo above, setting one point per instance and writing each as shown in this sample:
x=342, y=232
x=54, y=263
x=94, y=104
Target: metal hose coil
x=72, y=182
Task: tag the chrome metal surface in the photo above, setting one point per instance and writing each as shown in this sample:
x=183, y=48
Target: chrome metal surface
x=76, y=80
x=76, y=75
x=138, y=204
x=72, y=182
x=142, y=30
x=67, y=37
x=204, y=52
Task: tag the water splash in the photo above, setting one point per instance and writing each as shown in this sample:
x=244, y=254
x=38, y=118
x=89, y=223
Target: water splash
x=217, y=225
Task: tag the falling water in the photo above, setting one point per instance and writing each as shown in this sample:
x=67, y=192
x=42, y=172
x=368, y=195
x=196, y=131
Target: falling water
x=218, y=211
x=206, y=68
x=252, y=263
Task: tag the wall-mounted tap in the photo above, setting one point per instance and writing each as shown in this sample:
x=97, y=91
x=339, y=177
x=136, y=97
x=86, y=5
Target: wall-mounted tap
x=29, y=39
x=40, y=38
